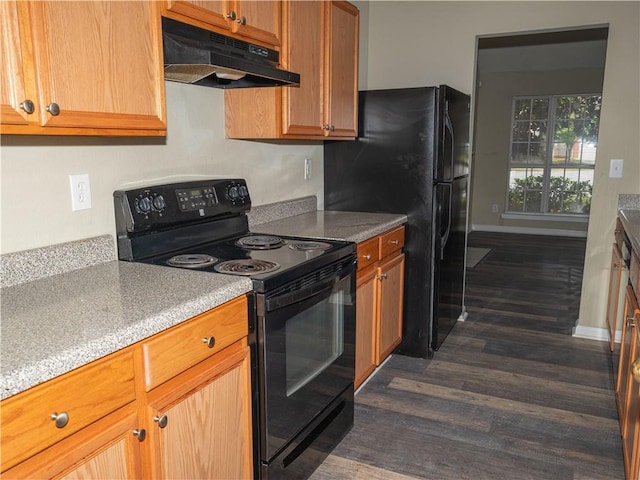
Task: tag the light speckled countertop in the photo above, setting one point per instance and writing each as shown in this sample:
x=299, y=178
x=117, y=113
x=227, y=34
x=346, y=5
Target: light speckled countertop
x=631, y=223
x=55, y=324
x=351, y=226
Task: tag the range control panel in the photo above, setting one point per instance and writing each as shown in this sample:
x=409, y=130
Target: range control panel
x=155, y=207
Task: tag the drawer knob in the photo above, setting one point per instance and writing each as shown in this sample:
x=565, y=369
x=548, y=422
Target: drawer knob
x=631, y=322
x=210, y=341
x=383, y=276
x=140, y=433
x=366, y=256
x=394, y=242
x=161, y=420
x=61, y=419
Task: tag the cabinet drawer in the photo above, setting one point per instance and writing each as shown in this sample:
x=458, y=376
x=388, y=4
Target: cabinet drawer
x=173, y=351
x=84, y=395
x=391, y=241
x=367, y=253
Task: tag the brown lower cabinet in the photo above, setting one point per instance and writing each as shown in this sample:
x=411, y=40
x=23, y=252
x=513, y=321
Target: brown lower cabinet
x=113, y=418
x=380, y=287
x=628, y=375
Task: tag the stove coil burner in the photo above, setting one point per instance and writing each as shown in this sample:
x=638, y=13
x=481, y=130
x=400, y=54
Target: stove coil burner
x=248, y=266
x=193, y=260
x=309, y=246
x=260, y=242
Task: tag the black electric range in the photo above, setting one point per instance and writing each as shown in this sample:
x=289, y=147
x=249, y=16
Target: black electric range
x=301, y=309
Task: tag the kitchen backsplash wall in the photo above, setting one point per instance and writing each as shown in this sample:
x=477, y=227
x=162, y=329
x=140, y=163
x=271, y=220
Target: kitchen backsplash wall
x=35, y=196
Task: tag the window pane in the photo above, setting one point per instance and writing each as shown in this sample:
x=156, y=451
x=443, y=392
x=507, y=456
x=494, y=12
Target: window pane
x=540, y=108
x=525, y=189
x=522, y=109
x=570, y=190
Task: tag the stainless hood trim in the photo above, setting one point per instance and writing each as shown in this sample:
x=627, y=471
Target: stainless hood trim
x=197, y=56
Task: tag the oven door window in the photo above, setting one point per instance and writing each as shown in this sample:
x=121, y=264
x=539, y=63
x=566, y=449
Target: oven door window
x=308, y=361
x=314, y=340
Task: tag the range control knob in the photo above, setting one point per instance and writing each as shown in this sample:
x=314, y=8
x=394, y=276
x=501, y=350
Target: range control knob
x=144, y=204
x=233, y=192
x=159, y=202
x=243, y=191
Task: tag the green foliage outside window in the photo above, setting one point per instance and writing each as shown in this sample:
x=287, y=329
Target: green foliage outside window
x=565, y=195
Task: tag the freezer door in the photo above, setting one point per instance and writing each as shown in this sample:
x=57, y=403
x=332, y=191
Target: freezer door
x=450, y=223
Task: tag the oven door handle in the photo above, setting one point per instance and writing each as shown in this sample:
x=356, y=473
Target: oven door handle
x=286, y=299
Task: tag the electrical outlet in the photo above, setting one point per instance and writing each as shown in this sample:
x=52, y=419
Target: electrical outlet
x=494, y=208
x=80, y=192
x=307, y=169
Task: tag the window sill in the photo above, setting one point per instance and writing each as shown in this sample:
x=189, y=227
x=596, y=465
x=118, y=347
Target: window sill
x=545, y=217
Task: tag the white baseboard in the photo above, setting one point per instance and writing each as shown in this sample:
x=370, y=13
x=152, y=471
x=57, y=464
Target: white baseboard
x=594, y=333
x=528, y=230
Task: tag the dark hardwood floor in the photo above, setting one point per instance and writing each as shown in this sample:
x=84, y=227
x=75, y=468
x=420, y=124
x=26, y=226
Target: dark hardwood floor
x=509, y=395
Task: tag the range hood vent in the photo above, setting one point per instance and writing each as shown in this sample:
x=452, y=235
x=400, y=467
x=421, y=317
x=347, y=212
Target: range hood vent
x=198, y=56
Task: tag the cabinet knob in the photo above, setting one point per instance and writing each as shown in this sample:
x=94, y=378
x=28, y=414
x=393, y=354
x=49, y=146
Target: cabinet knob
x=210, y=341
x=161, y=420
x=394, y=242
x=382, y=276
x=242, y=20
x=366, y=256
x=140, y=433
x=631, y=322
x=53, y=108
x=635, y=370
x=329, y=128
x=61, y=419
x=28, y=106
x=231, y=15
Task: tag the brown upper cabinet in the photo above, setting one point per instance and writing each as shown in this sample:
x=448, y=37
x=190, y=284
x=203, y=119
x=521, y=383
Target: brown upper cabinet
x=258, y=21
x=320, y=42
x=82, y=68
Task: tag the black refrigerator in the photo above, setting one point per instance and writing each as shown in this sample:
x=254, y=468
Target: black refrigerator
x=412, y=156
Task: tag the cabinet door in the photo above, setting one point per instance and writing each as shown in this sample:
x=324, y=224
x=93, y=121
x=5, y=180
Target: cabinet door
x=259, y=19
x=614, y=295
x=207, y=411
x=631, y=419
x=304, y=54
x=366, y=325
x=212, y=12
x=341, y=77
x=391, y=286
x=627, y=355
x=99, y=64
x=105, y=450
x=12, y=88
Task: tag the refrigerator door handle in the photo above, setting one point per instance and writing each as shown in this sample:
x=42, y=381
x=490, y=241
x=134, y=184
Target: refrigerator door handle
x=449, y=128
x=444, y=238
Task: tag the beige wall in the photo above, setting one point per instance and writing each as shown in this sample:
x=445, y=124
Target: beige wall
x=428, y=43
x=36, y=201
x=494, y=95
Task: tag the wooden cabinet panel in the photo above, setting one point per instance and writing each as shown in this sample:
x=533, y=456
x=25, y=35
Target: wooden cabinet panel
x=615, y=298
x=634, y=272
x=303, y=106
x=91, y=68
x=366, y=325
x=85, y=395
x=368, y=252
x=105, y=450
x=179, y=348
x=210, y=12
x=391, y=242
x=391, y=287
x=341, y=113
x=12, y=86
x=259, y=20
x=208, y=420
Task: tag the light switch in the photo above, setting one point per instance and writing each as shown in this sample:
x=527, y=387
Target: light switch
x=615, y=168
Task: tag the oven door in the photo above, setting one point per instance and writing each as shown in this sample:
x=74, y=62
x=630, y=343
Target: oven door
x=307, y=344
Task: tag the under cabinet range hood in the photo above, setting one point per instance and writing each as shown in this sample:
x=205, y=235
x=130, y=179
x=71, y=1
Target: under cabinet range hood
x=198, y=56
